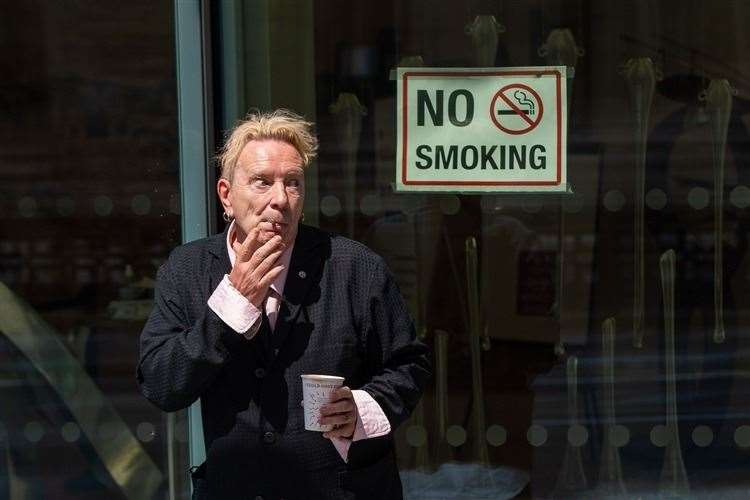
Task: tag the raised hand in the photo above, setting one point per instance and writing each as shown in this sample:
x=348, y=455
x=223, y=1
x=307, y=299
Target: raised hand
x=255, y=266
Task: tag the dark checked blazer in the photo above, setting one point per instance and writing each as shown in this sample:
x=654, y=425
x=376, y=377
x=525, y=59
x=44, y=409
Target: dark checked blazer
x=341, y=314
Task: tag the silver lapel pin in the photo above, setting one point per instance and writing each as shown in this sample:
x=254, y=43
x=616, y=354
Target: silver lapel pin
x=302, y=274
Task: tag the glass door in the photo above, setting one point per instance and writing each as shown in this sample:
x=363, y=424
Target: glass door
x=585, y=345
x=90, y=206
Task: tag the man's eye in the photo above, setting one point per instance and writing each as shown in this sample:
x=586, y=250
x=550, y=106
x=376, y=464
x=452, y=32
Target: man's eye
x=295, y=183
x=261, y=183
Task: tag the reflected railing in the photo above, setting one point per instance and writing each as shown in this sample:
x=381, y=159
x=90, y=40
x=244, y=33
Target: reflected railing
x=40, y=356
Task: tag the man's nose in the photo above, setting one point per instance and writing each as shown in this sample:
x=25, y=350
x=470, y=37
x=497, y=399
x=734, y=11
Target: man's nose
x=278, y=195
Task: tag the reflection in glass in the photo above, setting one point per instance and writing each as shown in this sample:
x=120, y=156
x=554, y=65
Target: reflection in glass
x=37, y=350
x=610, y=482
x=640, y=75
x=484, y=32
x=674, y=480
x=88, y=161
x=718, y=99
x=640, y=156
x=572, y=477
x=348, y=113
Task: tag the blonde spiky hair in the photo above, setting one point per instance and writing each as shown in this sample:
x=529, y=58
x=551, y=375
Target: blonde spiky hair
x=281, y=124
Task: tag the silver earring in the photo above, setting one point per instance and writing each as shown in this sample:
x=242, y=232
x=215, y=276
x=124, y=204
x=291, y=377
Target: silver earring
x=226, y=217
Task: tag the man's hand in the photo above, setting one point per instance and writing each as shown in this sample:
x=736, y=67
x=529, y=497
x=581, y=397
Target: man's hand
x=254, y=268
x=341, y=412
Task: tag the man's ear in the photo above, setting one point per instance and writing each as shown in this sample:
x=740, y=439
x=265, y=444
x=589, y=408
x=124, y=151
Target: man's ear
x=223, y=190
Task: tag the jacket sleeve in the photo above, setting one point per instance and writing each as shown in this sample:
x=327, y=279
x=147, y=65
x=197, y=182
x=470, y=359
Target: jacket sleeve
x=179, y=359
x=398, y=363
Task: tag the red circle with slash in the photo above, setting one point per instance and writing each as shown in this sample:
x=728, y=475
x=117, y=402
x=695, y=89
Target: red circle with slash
x=513, y=116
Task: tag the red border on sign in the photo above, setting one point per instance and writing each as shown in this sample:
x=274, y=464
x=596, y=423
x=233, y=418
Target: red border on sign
x=556, y=182
x=500, y=93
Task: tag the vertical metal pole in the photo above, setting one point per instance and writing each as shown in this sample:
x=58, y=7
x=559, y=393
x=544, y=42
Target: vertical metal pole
x=191, y=100
x=232, y=41
x=171, y=455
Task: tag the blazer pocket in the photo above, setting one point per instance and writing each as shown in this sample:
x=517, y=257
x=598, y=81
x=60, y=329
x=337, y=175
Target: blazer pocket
x=379, y=481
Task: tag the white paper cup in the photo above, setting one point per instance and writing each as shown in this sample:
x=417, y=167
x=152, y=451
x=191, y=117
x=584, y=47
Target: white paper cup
x=316, y=391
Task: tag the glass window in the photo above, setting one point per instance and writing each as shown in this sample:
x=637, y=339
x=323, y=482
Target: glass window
x=584, y=344
x=89, y=197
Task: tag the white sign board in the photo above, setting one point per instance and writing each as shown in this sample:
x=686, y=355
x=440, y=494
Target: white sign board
x=482, y=129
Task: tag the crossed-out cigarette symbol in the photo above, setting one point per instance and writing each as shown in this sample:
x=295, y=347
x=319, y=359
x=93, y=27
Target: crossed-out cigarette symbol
x=516, y=109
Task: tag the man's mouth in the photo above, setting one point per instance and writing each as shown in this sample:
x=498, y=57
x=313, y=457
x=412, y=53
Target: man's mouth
x=273, y=226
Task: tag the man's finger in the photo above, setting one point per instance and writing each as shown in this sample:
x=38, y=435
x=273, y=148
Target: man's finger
x=271, y=275
x=245, y=250
x=338, y=419
x=237, y=247
x=343, y=406
x=345, y=431
x=266, y=249
x=263, y=267
x=260, y=290
x=341, y=393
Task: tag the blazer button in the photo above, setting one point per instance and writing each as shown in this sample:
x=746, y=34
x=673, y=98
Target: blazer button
x=260, y=373
x=269, y=437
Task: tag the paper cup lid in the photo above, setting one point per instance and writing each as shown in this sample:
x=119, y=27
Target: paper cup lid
x=328, y=378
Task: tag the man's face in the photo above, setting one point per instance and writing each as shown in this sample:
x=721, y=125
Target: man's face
x=267, y=190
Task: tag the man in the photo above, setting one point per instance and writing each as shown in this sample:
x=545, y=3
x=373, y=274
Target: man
x=241, y=315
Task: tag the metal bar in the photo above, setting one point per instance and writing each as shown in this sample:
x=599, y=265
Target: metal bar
x=674, y=482
x=480, y=452
x=232, y=63
x=192, y=140
x=209, y=131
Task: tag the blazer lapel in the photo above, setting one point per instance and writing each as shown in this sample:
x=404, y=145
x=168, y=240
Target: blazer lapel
x=305, y=268
x=221, y=264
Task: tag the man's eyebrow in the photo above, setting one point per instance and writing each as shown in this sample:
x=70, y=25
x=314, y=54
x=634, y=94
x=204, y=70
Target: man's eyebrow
x=261, y=172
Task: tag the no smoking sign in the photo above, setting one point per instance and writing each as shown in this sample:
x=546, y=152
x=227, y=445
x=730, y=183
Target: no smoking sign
x=482, y=130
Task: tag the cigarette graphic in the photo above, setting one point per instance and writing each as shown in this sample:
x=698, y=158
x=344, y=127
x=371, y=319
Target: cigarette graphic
x=526, y=105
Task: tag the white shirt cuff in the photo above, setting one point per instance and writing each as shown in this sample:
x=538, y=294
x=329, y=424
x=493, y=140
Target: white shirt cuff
x=371, y=422
x=234, y=309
